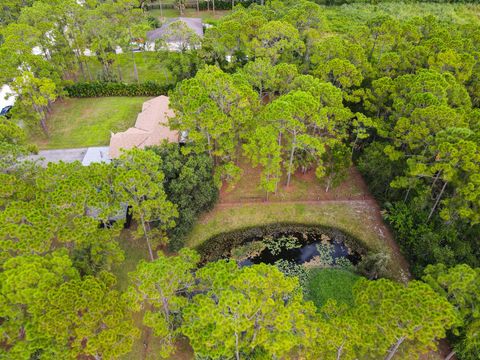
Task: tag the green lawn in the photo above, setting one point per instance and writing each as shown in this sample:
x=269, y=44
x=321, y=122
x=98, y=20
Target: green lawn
x=150, y=68
x=358, y=219
x=88, y=122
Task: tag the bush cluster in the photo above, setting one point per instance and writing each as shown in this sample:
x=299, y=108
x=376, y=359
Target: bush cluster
x=100, y=89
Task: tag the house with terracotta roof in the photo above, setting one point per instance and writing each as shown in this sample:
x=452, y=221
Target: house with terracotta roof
x=151, y=128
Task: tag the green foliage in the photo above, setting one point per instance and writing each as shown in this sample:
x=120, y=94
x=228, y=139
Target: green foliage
x=431, y=243
x=374, y=265
x=409, y=316
x=189, y=184
x=100, y=89
x=247, y=312
x=326, y=284
x=250, y=249
x=48, y=310
x=158, y=287
x=378, y=170
x=217, y=110
x=277, y=245
x=13, y=145
x=292, y=85
x=94, y=320
x=35, y=95
x=60, y=206
x=289, y=268
x=25, y=283
x=325, y=254
x=461, y=286
x=138, y=182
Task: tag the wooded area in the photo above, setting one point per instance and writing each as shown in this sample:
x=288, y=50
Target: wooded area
x=289, y=87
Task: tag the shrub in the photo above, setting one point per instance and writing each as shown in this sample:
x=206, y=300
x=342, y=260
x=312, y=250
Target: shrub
x=249, y=250
x=276, y=245
x=101, y=89
x=374, y=265
x=289, y=268
x=325, y=255
x=325, y=284
x=188, y=184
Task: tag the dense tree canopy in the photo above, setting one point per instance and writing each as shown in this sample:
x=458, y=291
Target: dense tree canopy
x=289, y=87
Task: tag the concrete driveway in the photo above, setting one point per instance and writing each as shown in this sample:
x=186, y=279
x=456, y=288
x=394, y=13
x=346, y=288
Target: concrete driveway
x=85, y=155
x=65, y=155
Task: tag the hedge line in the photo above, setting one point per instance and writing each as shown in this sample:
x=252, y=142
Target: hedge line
x=100, y=89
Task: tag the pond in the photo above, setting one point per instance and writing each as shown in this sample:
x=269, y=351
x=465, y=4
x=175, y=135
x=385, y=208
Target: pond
x=300, y=244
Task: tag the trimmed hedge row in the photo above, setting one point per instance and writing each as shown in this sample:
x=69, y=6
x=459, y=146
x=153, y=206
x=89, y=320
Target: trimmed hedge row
x=101, y=89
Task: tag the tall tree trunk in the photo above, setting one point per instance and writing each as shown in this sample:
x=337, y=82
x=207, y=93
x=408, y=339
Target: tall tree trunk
x=119, y=70
x=393, y=351
x=353, y=146
x=339, y=352
x=142, y=219
x=43, y=124
x=329, y=183
x=435, y=180
x=437, y=201
x=406, y=194
x=233, y=4
x=450, y=355
x=82, y=70
x=213, y=6
x=88, y=71
x=290, y=163
x=198, y=6
x=43, y=120
x=209, y=146
x=135, y=71
x=166, y=308
x=237, y=351
x=119, y=73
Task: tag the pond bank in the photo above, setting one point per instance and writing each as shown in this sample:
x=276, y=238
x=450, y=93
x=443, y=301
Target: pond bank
x=300, y=244
x=360, y=219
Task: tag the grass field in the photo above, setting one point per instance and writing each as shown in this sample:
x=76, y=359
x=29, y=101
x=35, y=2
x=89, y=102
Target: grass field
x=149, y=66
x=88, y=122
